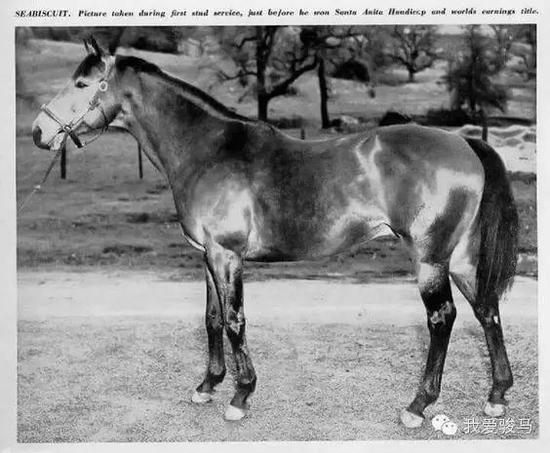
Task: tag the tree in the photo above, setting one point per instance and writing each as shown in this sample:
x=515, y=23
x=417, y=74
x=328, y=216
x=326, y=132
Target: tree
x=470, y=78
x=413, y=47
x=504, y=39
x=273, y=56
x=337, y=46
x=528, y=34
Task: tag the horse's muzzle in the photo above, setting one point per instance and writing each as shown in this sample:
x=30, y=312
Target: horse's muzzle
x=37, y=137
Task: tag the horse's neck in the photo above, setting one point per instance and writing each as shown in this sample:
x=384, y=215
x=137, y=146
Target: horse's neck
x=163, y=120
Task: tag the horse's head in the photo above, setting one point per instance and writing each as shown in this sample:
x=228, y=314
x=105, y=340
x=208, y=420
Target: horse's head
x=86, y=103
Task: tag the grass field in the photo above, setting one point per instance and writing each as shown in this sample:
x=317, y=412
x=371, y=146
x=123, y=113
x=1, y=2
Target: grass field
x=128, y=378
x=106, y=357
x=131, y=380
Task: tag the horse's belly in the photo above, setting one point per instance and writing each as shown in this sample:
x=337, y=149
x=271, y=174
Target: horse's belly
x=354, y=233
x=335, y=239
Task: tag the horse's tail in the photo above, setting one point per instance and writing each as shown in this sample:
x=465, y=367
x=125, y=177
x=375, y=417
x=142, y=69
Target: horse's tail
x=498, y=223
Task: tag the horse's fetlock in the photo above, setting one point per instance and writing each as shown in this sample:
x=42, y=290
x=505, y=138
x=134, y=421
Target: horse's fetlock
x=216, y=376
x=430, y=396
x=247, y=384
x=506, y=383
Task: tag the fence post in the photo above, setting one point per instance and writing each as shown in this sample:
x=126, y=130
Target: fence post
x=140, y=162
x=63, y=163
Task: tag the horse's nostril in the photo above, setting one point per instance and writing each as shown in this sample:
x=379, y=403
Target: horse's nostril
x=37, y=135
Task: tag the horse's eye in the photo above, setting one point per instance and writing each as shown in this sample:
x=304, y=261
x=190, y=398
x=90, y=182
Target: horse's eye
x=81, y=84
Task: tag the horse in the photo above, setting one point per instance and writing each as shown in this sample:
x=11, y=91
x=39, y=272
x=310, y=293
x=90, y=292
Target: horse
x=244, y=191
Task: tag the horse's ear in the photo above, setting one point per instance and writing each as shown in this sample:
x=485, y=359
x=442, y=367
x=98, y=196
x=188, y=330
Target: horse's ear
x=86, y=46
x=95, y=46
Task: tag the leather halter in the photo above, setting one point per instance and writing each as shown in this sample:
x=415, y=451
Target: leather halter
x=69, y=127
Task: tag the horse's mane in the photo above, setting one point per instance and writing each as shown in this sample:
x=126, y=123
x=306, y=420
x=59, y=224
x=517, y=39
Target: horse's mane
x=140, y=65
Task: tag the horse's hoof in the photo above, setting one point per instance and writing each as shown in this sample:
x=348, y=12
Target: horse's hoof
x=234, y=414
x=411, y=420
x=494, y=409
x=201, y=397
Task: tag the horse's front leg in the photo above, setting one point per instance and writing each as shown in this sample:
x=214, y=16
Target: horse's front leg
x=227, y=270
x=215, y=371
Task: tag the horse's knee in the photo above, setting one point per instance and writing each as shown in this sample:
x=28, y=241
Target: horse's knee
x=234, y=323
x=214, y=322
x=441, y=320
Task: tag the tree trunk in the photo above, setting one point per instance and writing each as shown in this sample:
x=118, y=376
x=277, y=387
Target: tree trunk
x=484, y=125
x=261, y=66
x=411, y=75
x=263, y=101
x=323, y=90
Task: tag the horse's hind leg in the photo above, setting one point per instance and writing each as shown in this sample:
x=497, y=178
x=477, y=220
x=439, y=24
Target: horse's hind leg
x=215, y=371
x=435, y=289
x=464, y=274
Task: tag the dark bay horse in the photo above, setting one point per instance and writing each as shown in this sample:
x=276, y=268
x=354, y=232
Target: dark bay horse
x=244, y=191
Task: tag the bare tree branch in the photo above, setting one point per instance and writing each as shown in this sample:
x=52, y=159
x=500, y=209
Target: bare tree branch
x=244, y=41
x=282, y=87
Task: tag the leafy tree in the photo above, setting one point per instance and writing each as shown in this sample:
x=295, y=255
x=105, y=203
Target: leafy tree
x=470, y=78
x=413, y=47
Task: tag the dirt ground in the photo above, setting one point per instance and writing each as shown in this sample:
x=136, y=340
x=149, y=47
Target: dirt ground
x=114, y=356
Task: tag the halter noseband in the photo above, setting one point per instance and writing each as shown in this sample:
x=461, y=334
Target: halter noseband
x=69, y=127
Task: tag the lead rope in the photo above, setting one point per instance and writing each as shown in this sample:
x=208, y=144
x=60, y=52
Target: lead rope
x=37, y=187
x=56, y=156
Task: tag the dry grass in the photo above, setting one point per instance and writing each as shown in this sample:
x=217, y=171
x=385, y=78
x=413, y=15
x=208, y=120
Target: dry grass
x=131, y=380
